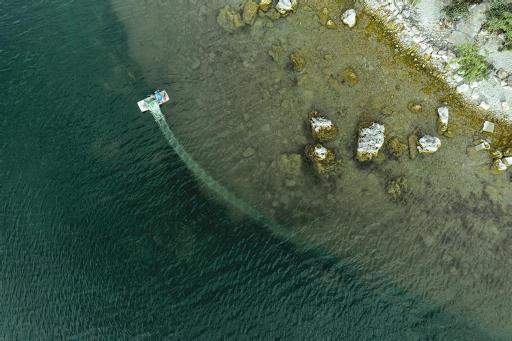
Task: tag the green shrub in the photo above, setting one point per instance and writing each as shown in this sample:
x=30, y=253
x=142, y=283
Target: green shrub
x=473, y=66
x=458, y=9
x=499, y=20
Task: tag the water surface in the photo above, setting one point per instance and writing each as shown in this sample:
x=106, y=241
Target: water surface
x=105, y=234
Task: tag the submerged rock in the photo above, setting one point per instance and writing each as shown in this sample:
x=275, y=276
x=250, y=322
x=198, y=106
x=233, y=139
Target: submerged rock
x=249, y=152
x=348, y=76
x=414, y=107
x=323, y=159
x=290, y=165
x=349, y=18
x=429, y=144
x=397, y=188
x=286, y=6
x=322, y=128
x=443, y=117
x=297, y=61
x=413, y=146
x=250, y=12
x=370, y=141
x=396, y=147
x=229, y=19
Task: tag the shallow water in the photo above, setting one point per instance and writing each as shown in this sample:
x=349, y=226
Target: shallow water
x=447, y=241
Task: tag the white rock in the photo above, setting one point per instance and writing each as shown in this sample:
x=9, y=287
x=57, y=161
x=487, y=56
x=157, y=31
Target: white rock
x=463, y=88
x=370, y=141
x=507, y=161
x=285, y=6
x=484, y=145
x=349, y=18
x=499, y=165
x=488, y=127
x=319, y=123
x=484, y=106
x=505, y=106
x=502, y=74
x=321, y=152
x=444, y=115
x=428, y=144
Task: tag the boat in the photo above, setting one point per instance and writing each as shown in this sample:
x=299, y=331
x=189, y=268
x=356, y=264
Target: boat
x=160, y=96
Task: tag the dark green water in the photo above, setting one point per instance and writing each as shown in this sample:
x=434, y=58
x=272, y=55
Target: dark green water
x=104, y=234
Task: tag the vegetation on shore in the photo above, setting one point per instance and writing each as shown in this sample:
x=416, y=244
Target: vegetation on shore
x=499, y=20
x=473, y=65
x=458, y=9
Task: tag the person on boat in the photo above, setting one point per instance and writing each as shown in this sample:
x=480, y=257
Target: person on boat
x=158, y=96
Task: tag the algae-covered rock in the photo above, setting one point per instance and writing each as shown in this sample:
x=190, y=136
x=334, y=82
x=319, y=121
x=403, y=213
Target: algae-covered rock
x=397, y=188
x=229, y=19
x=396, y=147
x=250, y=12
x=322, y=128
x=330, y=24
x=414, y=107
x=323, y=159
x=265, y=5
x=297, y=61
x=370, y=141
x=428, y=144
x=286, y=6
x=348, y=76
x=277, y=51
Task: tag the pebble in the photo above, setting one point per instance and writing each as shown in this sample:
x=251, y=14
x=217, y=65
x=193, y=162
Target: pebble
x=484, y=106
x=249, y=152
x=463, y=88
x=488, y=127
x=502, y=74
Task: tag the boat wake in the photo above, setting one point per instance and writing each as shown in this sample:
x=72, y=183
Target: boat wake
x=199, y=171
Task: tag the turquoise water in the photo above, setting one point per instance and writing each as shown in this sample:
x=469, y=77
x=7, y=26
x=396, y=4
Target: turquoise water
x=105, y=234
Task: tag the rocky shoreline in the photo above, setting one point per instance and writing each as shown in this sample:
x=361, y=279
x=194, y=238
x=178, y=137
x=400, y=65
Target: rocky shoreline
x=422, y=28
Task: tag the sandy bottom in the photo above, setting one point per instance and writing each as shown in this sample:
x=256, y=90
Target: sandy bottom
x=240, y=112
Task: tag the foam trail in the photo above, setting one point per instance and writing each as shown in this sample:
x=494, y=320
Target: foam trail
x=200, y=173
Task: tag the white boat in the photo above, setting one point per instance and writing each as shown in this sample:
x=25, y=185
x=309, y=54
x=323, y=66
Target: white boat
x=159, y=95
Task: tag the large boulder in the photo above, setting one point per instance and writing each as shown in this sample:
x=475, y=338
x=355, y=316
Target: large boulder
x=323, y=159
x=428, y=144
x=370, y=141
x=322, y=128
